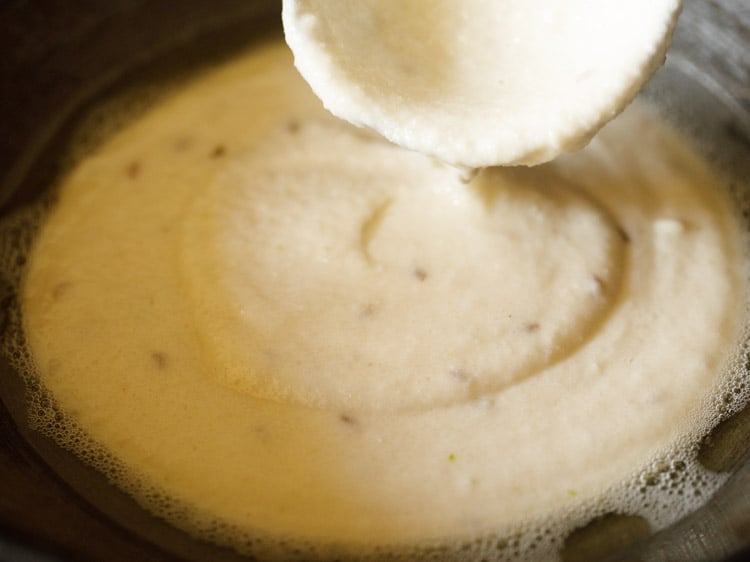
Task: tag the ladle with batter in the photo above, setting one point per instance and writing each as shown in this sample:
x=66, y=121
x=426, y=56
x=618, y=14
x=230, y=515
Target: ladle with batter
x=480, y=82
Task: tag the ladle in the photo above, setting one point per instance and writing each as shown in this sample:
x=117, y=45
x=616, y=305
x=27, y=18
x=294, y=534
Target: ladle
x=480, y=82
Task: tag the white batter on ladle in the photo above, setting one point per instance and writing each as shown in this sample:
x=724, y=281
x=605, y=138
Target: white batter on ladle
x=480, y=82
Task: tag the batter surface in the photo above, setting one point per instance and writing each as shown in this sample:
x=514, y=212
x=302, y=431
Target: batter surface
x=301, y=330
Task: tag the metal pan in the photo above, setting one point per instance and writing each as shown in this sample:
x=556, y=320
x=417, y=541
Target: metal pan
x=61, y=59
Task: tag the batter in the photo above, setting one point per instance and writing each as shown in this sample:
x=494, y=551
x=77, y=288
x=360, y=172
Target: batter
x=283, y=327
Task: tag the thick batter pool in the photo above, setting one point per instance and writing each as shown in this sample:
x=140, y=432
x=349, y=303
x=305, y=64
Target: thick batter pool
x=280, y=327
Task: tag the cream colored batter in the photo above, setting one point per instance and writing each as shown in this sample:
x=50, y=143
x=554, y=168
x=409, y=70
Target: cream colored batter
x=303, y=331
